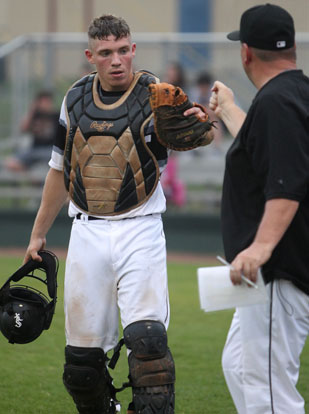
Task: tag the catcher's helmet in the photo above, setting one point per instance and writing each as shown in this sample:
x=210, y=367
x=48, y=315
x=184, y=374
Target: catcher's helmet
x=24, y=310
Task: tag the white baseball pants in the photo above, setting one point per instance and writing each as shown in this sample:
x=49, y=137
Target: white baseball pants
x=261, y=357
x=114, y=267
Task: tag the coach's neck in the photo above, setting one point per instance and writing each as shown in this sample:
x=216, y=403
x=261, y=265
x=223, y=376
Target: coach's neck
x=261, y=66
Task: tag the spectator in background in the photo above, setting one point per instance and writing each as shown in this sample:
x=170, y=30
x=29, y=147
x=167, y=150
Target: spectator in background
x=41, y=123
x=175, y=74
x=173, y=187
x=201, y=93
x=202, y=88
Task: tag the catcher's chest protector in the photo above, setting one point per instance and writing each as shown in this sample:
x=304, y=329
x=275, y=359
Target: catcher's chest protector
x=108, y=167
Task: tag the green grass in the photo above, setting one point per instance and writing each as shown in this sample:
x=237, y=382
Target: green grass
x=31, y=375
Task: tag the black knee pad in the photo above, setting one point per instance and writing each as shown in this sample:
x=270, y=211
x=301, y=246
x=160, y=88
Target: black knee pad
x=146, y=339
x=87, y=379
x=150, y=362
x=151, y=365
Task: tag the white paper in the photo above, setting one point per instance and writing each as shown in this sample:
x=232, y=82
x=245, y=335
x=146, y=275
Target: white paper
x=216, y=291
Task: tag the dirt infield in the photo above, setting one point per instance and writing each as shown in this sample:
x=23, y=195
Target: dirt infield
x=175, y=257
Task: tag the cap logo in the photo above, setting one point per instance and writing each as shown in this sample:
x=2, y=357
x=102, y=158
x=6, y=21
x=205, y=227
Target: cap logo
x=280, y=44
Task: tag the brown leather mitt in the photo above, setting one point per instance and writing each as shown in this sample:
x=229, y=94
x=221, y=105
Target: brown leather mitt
x=173, y=129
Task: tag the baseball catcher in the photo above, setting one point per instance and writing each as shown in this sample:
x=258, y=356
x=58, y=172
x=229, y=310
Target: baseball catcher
x=175, y=130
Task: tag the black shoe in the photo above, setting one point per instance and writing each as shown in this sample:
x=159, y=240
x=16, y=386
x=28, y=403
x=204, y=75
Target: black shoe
x=131, y=408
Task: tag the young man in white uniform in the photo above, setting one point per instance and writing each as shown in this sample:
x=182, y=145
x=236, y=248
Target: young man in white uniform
x=115, y=258
x=107, y=158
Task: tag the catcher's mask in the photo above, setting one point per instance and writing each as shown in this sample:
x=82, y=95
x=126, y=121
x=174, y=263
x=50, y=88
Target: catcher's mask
x=25, y=311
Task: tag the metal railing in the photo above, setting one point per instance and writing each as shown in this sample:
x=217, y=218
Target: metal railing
x=55, y=60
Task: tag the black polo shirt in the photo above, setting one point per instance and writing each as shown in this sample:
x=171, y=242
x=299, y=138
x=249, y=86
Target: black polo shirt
x=269, y=159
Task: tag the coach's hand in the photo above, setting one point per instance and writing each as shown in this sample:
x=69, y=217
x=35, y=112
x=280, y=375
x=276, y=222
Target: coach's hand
x=221, y=99
x=248, y=262
x=223, y=105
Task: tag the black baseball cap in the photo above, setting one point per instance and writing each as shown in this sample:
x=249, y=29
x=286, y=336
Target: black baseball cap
x=266, y=27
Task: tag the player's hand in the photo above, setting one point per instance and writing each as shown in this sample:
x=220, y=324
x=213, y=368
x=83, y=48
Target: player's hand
x=221, y=97
x=248, y=262
x=32, y=251
x=195, y=110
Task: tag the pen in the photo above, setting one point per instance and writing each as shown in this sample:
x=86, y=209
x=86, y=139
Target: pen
x=244, y=278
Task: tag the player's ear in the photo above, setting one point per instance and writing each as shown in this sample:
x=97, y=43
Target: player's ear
x=133, y=49
x=89, y=56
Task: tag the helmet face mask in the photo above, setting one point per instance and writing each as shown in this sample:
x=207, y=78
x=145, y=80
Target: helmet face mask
x=25, y=311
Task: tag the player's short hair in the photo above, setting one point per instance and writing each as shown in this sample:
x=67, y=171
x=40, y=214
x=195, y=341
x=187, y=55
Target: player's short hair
x=272, y=55
x=108, y=25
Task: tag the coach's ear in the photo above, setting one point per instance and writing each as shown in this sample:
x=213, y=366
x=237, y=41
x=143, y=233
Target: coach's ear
x=246, y=54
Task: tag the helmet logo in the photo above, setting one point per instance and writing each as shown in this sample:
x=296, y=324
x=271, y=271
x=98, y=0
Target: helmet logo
x=18, y=320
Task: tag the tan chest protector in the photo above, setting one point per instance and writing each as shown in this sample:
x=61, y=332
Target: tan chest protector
x=108, y=167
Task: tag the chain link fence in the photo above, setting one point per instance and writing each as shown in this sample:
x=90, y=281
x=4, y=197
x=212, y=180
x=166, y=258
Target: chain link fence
x=54, y=61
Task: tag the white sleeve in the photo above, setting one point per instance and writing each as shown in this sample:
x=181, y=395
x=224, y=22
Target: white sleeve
x=56, y=160
x=62, y=117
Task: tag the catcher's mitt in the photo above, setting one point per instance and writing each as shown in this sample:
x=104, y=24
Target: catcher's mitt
x=173, y=129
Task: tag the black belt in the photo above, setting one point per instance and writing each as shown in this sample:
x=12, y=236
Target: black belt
x=79, y=215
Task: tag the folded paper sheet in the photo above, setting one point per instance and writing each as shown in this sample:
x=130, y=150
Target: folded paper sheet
x=217, y=292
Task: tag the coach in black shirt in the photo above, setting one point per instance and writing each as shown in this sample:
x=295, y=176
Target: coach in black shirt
x=265, y=214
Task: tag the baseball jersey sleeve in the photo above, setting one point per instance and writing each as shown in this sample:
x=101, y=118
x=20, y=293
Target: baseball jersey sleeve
x=56, y=160
x=279, y=148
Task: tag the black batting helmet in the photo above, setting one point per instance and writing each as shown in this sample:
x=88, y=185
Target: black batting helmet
x=25, y=311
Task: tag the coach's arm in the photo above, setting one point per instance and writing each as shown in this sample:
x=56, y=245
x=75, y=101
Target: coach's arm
x=277, y=217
